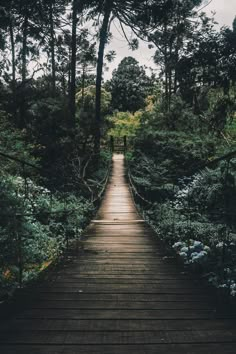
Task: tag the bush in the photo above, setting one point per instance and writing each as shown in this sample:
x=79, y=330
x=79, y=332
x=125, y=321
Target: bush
x=160, y=159
x=200, y=226
x=35, y=227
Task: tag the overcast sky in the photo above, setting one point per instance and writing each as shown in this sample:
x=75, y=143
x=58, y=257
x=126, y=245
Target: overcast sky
x=225, y=14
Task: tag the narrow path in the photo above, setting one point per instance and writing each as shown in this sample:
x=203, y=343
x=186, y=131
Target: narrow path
x=120, y=295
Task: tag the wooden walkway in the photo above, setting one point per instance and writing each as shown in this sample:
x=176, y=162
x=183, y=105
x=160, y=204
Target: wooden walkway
x=119, y=295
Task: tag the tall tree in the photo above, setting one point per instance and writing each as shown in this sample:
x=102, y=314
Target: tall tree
x=108, y=5
x=171, y=36
x=128, y=12
x=86, y=59
x=130, y=86
x=52, y=45
x=77, y=8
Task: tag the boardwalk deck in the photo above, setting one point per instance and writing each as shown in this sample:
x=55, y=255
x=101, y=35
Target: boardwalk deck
x=120, y=294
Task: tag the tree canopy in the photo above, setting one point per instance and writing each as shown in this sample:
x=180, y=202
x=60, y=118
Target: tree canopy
x=130, y=85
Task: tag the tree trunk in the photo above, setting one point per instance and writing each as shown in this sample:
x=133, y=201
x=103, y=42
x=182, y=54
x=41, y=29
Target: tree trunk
x=69, y=73
x=170, y=77
x=75, y=9
x=166, y=72
x=166, y=83
x=176, y=64
x=83, y=84
x=52, y=45
x=64, y=88
x=102, y=44
x=13, y=56
x=22, y=118
x=24, y=49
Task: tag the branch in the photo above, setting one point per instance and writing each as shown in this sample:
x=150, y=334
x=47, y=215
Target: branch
x=123, y=30
x=204, y=6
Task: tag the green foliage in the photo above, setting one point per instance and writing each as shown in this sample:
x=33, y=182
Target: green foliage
x=130, y=86
x=13, y=142
x=214, y=112
x=124, y=124
x=35, y=227
x=163, y=156
x=214, y=192
x=196, y=217
x=85, y=99
x=221, y=113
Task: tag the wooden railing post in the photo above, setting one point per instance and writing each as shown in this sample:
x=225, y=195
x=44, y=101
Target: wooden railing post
x=19, y=250
x=125, y=144
x=112, y=143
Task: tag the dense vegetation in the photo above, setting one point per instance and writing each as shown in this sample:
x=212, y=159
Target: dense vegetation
x=187, y=197
x=57, y=114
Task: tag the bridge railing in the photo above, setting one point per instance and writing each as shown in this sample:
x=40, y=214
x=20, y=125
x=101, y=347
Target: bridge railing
x=118, y=144
x=24, y=202
x=187, y=215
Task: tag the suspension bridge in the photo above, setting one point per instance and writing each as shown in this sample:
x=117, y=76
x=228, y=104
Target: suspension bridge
x=120, y=292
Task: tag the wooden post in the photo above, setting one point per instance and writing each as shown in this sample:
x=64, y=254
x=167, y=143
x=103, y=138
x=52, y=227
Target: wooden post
x=125, y=144
x=112, y=143
x=19, y=251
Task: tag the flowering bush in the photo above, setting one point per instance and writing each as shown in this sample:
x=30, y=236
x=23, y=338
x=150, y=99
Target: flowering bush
x=35, y=227
x=201, y=232
x=193, y=252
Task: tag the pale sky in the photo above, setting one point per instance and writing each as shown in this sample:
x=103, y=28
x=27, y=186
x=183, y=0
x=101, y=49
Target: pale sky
x=225, y=14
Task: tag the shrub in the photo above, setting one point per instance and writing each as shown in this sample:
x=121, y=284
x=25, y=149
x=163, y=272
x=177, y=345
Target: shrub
x=35, y=227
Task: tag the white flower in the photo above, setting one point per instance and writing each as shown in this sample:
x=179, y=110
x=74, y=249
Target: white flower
x=206, y=248
x=178, y=245
x=183, y=255
x=220, y=245
x=222, y=286
x=184, y=249
x=194, y=254
x=197, y=244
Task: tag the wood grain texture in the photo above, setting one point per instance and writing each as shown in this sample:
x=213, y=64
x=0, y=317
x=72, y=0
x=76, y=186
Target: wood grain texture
x=121, y=292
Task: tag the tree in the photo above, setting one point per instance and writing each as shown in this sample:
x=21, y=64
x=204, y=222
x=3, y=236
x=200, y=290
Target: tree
x=124, y=124
x=129, y=12
x=171, y=37
x=77, y=7
x=86, y=101
x=130, y=86
x=229, y=53
x=86, y=59
x=52, y=12
x=102, y=42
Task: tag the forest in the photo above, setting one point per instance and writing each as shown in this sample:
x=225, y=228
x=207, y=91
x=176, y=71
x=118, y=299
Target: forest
x=58, y=116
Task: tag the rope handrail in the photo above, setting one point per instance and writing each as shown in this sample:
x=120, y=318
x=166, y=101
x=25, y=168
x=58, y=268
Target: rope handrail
x=134, y=189
x=227, y=157
x=16, y=159
x=230, y=155
x=67, y=211
x=17, y=214
x=105, y=181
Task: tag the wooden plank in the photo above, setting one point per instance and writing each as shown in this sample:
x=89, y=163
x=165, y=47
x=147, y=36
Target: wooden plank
x=121, y=292
x=117, y=325
x=118, y=337
x=67, y=277
x=128, y=305
x=225, y=348
x=116, y=297
x=121, y=314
